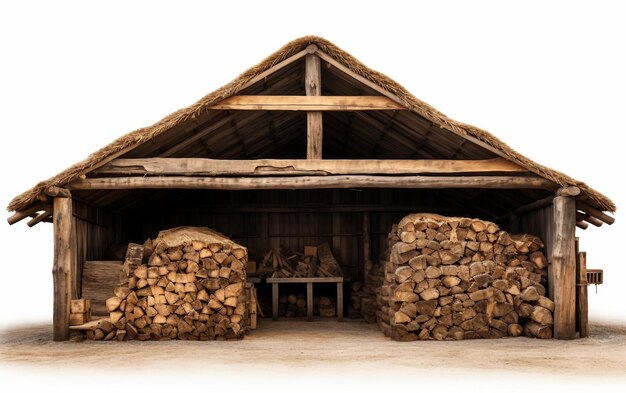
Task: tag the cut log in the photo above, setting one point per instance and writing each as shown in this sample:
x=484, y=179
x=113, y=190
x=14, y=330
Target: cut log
x=113, y=303
x=542, y=316
x=534, y=329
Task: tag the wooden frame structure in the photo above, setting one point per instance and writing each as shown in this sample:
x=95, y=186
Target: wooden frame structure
x=309, y=281
x=346, y=129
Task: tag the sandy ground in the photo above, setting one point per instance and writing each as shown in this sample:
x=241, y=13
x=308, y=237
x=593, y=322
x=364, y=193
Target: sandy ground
x=351, y=350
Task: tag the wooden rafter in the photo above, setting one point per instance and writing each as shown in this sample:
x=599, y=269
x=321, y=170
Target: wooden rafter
x=28, y=212
x=358, y=77
x=309, y=50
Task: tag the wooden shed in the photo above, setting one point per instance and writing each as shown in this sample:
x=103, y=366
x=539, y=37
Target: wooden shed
x=310, y=146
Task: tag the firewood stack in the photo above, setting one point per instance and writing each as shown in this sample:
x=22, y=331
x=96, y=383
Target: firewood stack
x=294, y=305
x=382, y=292
x=192, y=287
x=373, y=281
x=460, y=278
x=357, y=296
x=314, y=262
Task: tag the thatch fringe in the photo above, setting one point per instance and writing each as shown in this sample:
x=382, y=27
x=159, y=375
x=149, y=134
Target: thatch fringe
x=141, y=135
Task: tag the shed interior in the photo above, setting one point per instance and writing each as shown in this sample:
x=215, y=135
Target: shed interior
x=264, y=219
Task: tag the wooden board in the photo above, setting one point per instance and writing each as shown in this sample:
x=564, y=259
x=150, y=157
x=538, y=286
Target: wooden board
x=582, y=306
x=299, y=280
x=99, y=280
x=307, y=103
x=312, y=182
x=313, y=87
x=277, y=167
x=62, y=267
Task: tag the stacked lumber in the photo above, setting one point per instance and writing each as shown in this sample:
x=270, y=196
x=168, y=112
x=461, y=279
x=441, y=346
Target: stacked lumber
x=314, y=262
x=294, y=305
x=252, y=304
x=80, y=311
x=461, y=278
x=357, y=295
x=189, y=286
x=373, y=281
x=326, y=307
x=382, y=294
x=328, y=267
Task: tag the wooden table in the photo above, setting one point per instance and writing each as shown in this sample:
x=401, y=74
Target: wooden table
x=309, y=281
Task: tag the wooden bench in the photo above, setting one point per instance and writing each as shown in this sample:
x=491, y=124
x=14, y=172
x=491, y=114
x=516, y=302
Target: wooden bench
x=309, y=281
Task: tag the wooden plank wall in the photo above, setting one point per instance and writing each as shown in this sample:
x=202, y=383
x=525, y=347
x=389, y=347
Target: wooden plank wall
x=541, y=223
x=94, y=236
x=261, y=220
x=262, y=230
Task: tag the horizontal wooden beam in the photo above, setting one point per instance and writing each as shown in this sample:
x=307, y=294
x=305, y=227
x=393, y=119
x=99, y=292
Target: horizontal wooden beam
x=42, y=216
x=582, y=225
x=307, y=103
x=593, y=212
x=311, y=182
x=590, y=219
x=270, y=167
x=28, y=212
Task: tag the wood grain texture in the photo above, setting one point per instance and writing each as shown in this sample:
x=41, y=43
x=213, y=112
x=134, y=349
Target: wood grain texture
x=307, y=103
x=564, y=268
x=582, y=315
x=62, y=267
x=311, y=182
x=100, y=278
x=593, y=212
x=313, y=87
x=277, y=167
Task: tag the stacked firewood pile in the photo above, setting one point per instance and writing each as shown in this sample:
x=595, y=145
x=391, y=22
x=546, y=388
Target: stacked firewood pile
x=382, y=292
x=461, y=278
x=314, y=262
x=294, y=305
x=192, y=287
x=371, y=287
x=357, y=296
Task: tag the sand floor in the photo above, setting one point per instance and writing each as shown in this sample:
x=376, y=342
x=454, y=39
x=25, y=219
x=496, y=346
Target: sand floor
x=326, y=347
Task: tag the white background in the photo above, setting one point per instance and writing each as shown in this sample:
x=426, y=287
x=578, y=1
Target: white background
x=546, y=77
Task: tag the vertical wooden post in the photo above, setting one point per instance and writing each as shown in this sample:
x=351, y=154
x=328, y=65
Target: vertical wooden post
x=564, y=267
x=581, y=294
x=309, y=301
x=61, y=270
x=313, y=87
x=274, y=301
x=76, y=269
x=340, y=301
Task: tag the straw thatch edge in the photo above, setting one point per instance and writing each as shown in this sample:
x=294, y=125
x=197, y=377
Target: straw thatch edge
x=412, y=103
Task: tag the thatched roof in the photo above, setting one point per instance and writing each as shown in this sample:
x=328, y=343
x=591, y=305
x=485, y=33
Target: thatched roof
x=138, y=137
